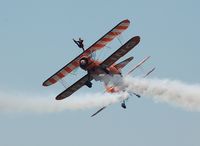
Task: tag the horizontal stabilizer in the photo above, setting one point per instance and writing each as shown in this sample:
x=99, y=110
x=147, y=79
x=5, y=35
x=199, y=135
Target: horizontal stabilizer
x=123, y=63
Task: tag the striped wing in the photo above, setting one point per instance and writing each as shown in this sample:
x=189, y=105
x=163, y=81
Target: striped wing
x=117, y=30
x=121, y=52
x=73, y=88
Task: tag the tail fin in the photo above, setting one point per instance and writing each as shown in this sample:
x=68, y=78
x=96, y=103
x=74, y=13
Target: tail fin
x=123, y=63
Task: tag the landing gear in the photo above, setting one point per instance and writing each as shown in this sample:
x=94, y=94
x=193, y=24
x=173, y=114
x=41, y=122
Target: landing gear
x=106, y=70
x=123, y=105
x=88, y=83
x=137, y=95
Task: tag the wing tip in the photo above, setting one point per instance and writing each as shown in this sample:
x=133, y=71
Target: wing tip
x=43, y=84
x=126, y=21
x=59, y=97
x=131, y=58
x=137, y=39
x=46, y=83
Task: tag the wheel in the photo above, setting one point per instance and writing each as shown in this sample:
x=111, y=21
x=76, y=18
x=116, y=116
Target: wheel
x=138, y=95
x=123, y=105
x=89, y=84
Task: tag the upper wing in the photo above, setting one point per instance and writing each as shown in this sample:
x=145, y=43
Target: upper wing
x=121, y=51
x=73, y=88
x=117, y=30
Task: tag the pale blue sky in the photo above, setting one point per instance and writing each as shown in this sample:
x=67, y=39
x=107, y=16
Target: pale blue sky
x=36, y=40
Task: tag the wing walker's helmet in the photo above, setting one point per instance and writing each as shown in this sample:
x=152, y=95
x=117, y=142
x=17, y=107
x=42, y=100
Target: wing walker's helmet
x=80, y=40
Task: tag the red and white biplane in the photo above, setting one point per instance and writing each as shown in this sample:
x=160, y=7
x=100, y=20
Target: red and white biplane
x=96, y=69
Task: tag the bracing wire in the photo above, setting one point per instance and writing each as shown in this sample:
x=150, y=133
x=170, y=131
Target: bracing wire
x=108, y=47
x=63, y=82
x=101, y=52
x=74, y=72
x=119, y=40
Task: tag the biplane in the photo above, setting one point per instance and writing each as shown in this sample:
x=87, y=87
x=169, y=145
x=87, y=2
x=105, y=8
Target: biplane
x=97, y=69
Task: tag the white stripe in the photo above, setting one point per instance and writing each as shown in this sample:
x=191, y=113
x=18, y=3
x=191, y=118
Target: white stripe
x=124, y=24
x=55, y=77
x=94, y=48
x=109, y=36
x=63, y=72
x=71, y=66
x=102, y=42
x=48, y=83
x=117, y=30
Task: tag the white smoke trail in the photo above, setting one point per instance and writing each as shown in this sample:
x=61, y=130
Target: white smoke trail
x=173, y=92
x=39, y=104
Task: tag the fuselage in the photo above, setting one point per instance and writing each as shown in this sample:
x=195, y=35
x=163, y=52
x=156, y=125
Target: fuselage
x=94, y=67
x=110, y=76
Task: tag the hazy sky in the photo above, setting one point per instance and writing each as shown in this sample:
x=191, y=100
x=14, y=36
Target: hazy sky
x=36, y=41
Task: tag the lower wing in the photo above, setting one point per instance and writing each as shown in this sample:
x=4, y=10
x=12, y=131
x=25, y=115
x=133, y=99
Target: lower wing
x=73, y=88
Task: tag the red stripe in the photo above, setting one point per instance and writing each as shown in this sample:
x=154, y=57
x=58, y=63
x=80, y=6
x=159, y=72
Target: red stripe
x=52, y=80
x=83, y=54
x=107, y=39
x=87, y=52
x=126, y=21
x=67, y=69
x=99, y=45
x=113, y=33
x=75, y=63
x=60, y=75
x=122, y=27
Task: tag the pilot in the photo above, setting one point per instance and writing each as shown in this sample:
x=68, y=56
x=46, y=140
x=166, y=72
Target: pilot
x=79, y=43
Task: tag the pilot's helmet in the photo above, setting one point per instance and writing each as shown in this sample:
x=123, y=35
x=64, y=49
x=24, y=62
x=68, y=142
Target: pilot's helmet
x=83, y=62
